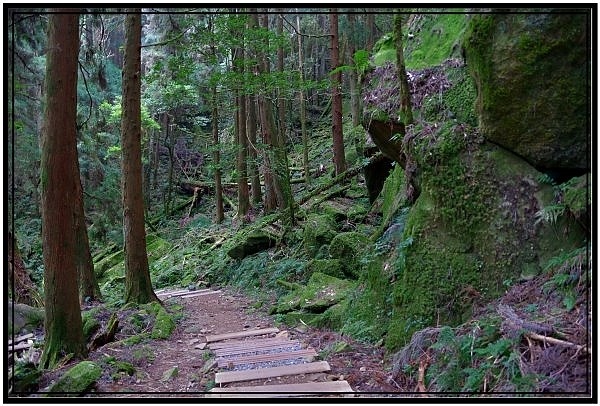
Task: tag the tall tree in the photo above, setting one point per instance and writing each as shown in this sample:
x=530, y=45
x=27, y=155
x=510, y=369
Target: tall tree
x=60, y=185
x=406, y=116
x=242, y=139
x=215, y=129
x=267, y=126
x=339, y=158
x=138, y=287
x=305, y=161
x=354, y=87
x=88, y=284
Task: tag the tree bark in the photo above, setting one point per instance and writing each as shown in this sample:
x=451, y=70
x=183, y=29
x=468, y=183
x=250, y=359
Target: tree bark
x=268, y=131
x=286, y=200
x=21, y=287
x=339, y=158
x=138, y=287
x=217, y=155
x=354, y=89
x=88, y=284
x=60, y=185
x=406, y=116
x=305, y=161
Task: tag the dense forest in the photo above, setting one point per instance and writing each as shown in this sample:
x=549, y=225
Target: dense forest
x=414, y=182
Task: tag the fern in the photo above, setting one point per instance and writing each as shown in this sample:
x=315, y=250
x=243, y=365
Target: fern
x=550, y=213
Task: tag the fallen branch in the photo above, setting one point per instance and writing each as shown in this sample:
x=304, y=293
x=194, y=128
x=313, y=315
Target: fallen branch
x=350, y=173
x=21, y=338
x=552, y=340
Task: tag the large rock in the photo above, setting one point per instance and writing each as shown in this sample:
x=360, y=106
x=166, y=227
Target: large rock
x=253, y=243
x=77, y=379
x=532, y=76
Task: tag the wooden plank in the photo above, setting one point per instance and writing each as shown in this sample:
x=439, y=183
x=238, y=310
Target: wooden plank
x=262, y=373
x=200, y=294
x=183, y=292
x=252, y=359
x=310, y=387
x=244, y=343
x=239, y=334
x=21, y=338
x=17, y=347
x=251, y=348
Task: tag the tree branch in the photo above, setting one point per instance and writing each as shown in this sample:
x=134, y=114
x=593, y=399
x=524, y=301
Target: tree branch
x=301, y=34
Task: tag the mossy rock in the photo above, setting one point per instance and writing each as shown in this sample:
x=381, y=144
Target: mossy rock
x=319, y=230
x=78, y=379
x=332, y=267
x=321, y=292
x=256, y=241
x=163, y=325
x=349, y=248
x=531, y=72
x=26, y=318
x=90, y=324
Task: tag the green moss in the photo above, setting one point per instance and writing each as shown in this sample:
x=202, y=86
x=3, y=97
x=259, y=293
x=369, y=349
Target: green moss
x=163, y=325
x=332, y=267
x=297, y=317
x=394, y=197
x=90, y=324
x=321, y=291
x=78, y=378
x=348, y=248
x=319, y=230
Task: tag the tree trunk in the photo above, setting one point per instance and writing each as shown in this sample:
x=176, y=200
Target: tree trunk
x=21, y=287
x=283, y=173
x=370, y=31
x=88, y=284
x=217, y=156
x=268, y=130
x=138, y=287
x=406, y=116
x=60, y=185
x=252, y=150
x=339, y=158
x=305, y=161
x=354, y=89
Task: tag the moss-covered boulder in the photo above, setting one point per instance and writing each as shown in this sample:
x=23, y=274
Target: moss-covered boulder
x=253, y=242
x=78, y=379
x=331, y=267
x=163, y=325
x=319, y=230
x=532, y=77
x=26, y=318
x=349, y=248
x=321, y=292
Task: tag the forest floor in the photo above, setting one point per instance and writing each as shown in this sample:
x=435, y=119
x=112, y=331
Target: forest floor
x=362, y=366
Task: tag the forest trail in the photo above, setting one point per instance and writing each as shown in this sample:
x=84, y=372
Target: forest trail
x=223, y=344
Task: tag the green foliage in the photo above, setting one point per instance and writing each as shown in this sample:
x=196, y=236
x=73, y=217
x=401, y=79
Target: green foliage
x=361, y=61
x=439, y=38
x=475, y=360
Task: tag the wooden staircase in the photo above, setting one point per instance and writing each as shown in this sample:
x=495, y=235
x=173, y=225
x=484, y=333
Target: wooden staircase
x=255, y=351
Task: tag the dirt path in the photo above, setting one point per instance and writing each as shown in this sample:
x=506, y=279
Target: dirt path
x=362, y=366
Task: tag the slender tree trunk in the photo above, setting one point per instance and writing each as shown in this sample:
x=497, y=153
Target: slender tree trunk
x=269, y=133
x=138, y=287
x=354, y=89
x=406, y=116
x=339, y=158
x=252, y=150
x=88, y=284
x=283, y=173
x=370, y=31
x=305, y=160
x=242, y=140
x=217, y=156
x=60, y=186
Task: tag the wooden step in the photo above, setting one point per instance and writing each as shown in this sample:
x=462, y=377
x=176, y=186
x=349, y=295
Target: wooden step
x=200, y=293
x=239, y=334
x=224, y=352
x=255, y=342
x=262, y=373
x=252, y=359
x=292, y=389
x=181, y=292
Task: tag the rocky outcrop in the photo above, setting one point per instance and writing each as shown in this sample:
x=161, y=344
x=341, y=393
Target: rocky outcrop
x=532, y=77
